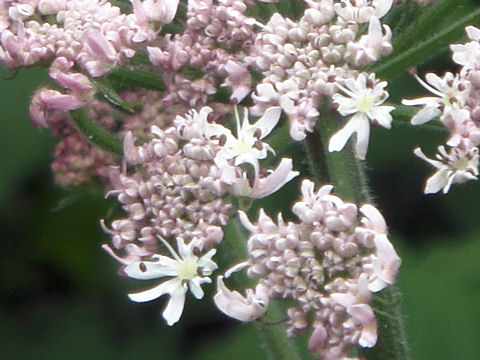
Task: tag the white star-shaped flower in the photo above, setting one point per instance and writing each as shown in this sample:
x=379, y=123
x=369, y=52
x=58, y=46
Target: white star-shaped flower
x=364, y=96
x=458, y=165
x=247, y=146
x=451, y=93
x=186, y=270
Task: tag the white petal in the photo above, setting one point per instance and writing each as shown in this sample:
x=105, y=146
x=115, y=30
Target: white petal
x=269, y=120
x=343, y=299
x=375, y=217
x=195, y=288
x=175, y=305
x=437, y=164
x=166, y=287
x=427, y=100
x=382, y=115
x=436, y=182
x=426, y=114
x=363, y=136
x=274, y=181
x=146, y=270
x=473, y=33
x=339, y=139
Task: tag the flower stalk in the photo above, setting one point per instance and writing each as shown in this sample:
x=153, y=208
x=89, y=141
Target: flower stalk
x=347, y=174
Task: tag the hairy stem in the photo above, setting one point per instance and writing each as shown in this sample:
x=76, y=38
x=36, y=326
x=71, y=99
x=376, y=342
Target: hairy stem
x=94, y=134
x=413, y=52
x=347, y=174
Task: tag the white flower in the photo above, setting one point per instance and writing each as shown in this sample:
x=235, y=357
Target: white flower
x=372, y=45
x=186, y=269
x=451, y=93
x=264, y=186
x=457, y=166
x=361, y=11
x=247, y=147
x=468, y=54
x=364, y=97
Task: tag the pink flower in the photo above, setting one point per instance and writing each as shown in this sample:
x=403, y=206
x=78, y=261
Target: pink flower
x=243, y=308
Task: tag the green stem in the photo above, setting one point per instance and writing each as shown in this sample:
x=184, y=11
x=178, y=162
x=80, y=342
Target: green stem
x=94, y=134
x=137, y=78
x=399, y=61
x=347, y=174
x=277, y=345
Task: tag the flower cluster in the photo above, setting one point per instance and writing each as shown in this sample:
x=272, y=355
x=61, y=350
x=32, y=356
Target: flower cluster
x=214, y=42
x=329, y=263
x=80, y=39
x=456, y=101
x=306, y=61
x=178, y=188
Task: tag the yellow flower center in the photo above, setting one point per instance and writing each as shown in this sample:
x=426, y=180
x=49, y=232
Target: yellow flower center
x=365, y=102
x=461, y=164
x=187, y=269
x=241, y=147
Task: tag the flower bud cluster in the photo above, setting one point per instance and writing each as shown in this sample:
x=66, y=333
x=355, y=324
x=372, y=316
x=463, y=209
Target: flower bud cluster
x=456, y=102
x=176, y=184
x=79, y=38
x=214, y=42
x=303, y=61
x=77, y=161
x=329, y=263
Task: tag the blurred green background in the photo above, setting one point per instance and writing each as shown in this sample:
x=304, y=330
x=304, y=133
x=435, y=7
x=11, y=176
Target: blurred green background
x=60, y=297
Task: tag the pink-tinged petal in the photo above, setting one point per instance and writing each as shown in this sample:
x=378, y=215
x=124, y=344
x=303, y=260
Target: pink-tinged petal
x=176, y=303
x=99, y=46
x=73, y=81
x=364, y=314
x=275, y=180
x=346, y=300
x=38, y=112
x=139, y=11
x=317, y=339
x=161, y=10
x=166, y=287
x=54, y=99
x=386, y=263
x=375, y=217
x=233, y=304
